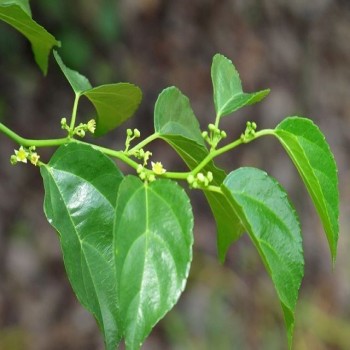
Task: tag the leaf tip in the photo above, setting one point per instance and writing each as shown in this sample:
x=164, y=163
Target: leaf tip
x=334, y=257
x=222, y=256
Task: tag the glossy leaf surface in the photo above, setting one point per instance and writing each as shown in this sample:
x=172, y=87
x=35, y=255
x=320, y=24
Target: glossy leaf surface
x=81, y=187
x=17, y=14
x=271, y=222
x=78, y=82
x=114, y=103
x=228, y=226
x=228, y=92
x=309, y=151
x=23, y=4
x=153, y=246
x=185, y=137
x=174, y=116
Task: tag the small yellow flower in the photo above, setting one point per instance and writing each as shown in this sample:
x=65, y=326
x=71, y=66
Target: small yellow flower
x=21, y=155
x=158, y=168
x=34, y=158
x=80, y=132
x=91, y=126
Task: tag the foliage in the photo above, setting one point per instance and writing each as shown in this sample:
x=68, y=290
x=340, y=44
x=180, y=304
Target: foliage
x=17, y=13
x=127, y=240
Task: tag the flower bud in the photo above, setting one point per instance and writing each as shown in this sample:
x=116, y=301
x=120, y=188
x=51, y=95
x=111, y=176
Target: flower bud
x=200, y=177
x=190, y=179
x=139, y=169
x=13, y=160
x=137, y=133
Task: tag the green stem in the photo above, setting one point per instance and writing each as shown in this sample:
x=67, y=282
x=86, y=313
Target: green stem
x=217, y=121
x=74, y=112
x=176, y=176
x=125, y=158
x=58, y=142
x=215, y=153
x=203, y=163
x=264, y=132
x=30, y=142
x=112, y=153
x=145, y=142
x=216, y=189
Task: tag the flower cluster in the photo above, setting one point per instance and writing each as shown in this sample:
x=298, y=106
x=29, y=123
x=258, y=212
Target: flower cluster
x=81, y=129
x=214, y=136
x=150, y=175
x=141, y=154
x=145, y=174
x=200, y=180
x=131, y=135
x=24, y=154
x=249, y=132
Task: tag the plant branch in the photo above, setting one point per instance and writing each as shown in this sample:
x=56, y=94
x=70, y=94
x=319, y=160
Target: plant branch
x=125, y=158
x=144, y=142
x=74, y=112
x=30, y=142
x=211, y=188
x=215, y=153
x=264, y=132
x=112, y=153
x=217, y=120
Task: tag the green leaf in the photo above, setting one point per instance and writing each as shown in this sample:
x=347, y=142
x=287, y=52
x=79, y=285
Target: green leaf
x=173, y=115
x=78, y=82
x=114, y=103
x=153, y=245
x=271, y=222
x=81, y=186
x=228, y=226
x=176, y=124
x=23, y=4
x=228, y=92
x=17, y=14
x=309, y=151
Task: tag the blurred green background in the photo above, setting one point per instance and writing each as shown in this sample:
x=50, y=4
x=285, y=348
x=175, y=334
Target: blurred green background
x=298, y=48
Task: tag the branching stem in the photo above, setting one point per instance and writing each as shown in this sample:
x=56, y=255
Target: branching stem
x=124, y=157
x=144, y=142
